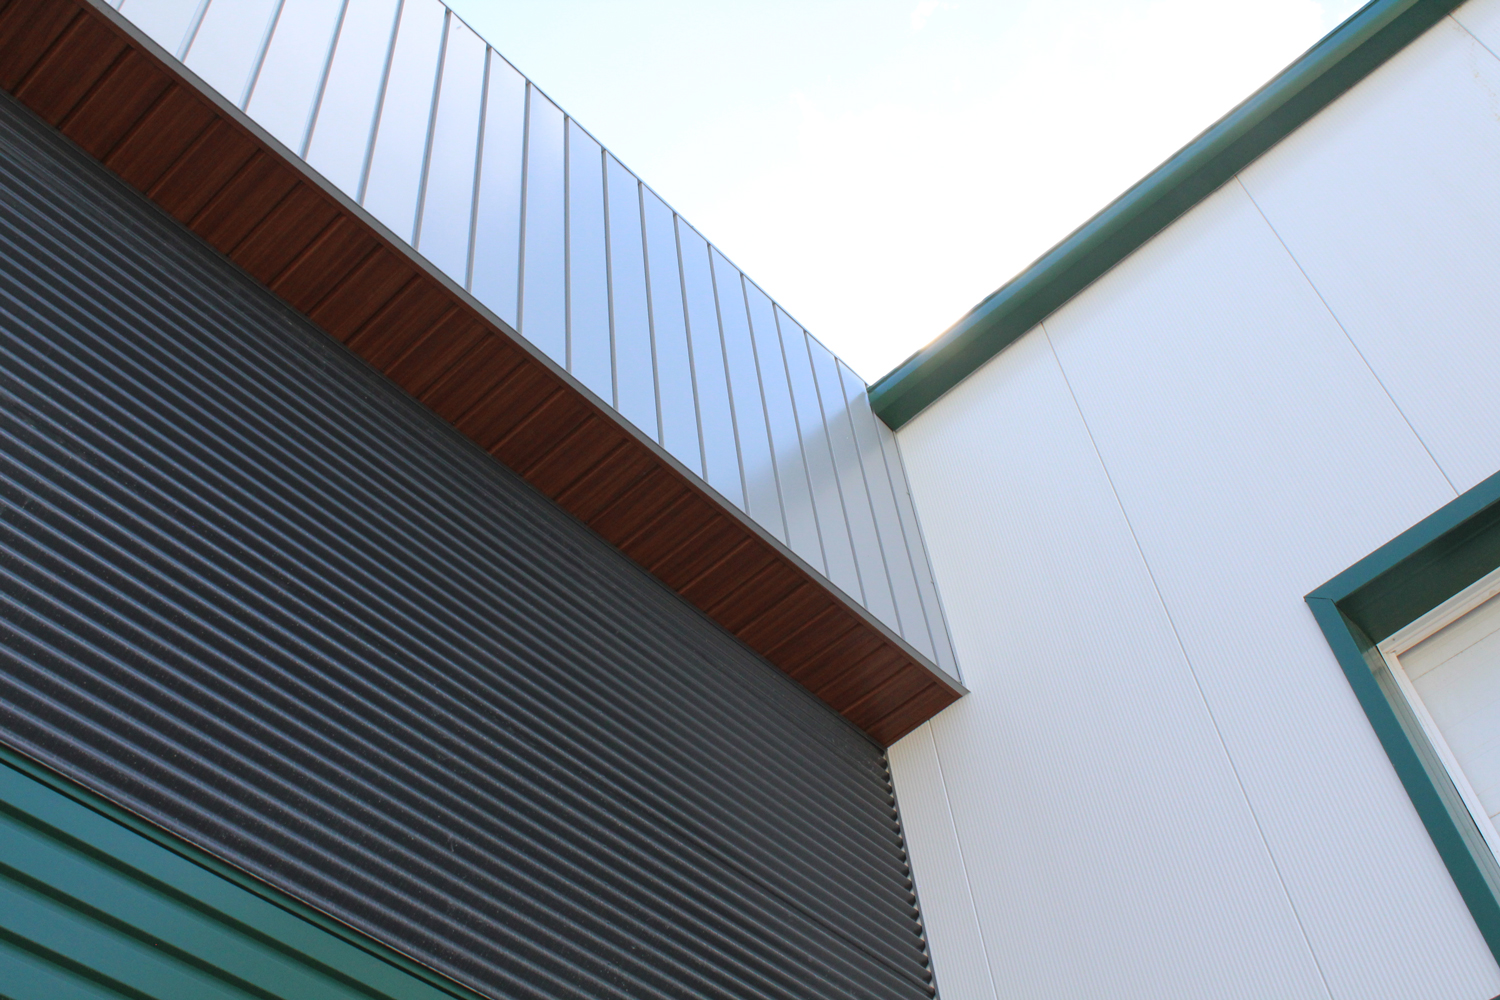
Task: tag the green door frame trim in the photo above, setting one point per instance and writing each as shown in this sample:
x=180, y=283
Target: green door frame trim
x=1345, y=56
x=1371, y=600
x=96, y=902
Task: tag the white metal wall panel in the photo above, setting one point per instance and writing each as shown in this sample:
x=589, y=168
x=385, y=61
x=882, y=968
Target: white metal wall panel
x=1388, y=201
x=1256, y=456
x=1109, y=847
x=957, y=947
x=1481, y=18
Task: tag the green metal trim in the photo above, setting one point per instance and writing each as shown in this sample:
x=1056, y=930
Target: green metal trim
x=1424, y=565
x=1394, y=585
x=1345, y=56
x=95, y=901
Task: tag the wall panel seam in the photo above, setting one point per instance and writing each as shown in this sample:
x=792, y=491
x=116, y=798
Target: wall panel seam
x=1192, y=672
x=1345, y=331
x=260, y=56
x=1454, y=18
x=963, y=862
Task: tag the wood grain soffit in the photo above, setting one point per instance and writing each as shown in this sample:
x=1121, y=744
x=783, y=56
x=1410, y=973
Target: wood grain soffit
x=88, y=72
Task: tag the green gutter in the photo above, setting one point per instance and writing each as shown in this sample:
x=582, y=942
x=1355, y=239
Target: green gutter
x=1351, y=51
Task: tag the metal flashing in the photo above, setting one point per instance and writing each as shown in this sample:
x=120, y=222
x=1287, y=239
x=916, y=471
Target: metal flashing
x=1341, y=59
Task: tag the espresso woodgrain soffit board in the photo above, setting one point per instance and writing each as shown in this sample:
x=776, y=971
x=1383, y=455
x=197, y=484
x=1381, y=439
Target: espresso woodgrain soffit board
x=87, y=72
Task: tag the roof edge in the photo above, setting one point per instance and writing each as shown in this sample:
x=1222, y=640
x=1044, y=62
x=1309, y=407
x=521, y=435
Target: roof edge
x=88, y=72
x=1343, y=58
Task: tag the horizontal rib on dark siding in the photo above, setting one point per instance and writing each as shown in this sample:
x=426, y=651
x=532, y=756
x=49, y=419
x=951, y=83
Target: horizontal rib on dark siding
x=255, y=593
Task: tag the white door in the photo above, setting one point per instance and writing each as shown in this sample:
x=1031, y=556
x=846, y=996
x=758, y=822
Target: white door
x=1448, y=664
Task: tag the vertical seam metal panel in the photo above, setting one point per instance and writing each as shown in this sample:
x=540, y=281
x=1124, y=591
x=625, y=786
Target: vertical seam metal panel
x=432, y=110
x=260, y=55
x=317, y=103
x=385, y=79
x=663, y=397
x=484, y=103
x=834, y=465
x=687, y=329
x=791, y=392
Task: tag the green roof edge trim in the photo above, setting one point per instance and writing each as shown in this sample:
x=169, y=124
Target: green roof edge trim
x=1341, y=59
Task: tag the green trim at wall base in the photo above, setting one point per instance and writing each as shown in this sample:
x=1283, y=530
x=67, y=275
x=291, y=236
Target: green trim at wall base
x=1394, y=585
x=96, y=902
x=1347, y=55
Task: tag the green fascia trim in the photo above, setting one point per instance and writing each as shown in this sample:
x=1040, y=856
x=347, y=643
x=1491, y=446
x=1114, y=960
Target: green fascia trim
x=1345, y=56
x=1394, y=585
x=107, y=904
x=1423, y=566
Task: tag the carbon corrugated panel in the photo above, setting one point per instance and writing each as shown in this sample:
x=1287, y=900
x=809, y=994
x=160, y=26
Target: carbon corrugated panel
x=257, y=595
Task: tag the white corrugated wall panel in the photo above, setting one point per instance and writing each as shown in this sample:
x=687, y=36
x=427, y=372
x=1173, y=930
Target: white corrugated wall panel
x=1481, y=18
x=954, y=940
x=1389, y=201
x=1110, y=849
x=1255, y=456
x=1255, y=452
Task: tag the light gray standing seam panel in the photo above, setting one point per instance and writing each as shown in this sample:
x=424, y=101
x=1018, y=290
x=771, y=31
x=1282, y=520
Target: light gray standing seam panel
x=346, y=116
x=525, y=210
x=757, y=465
x=635, y=358
x=720, y=451
x=496, y=270
x=821, y=477
x=854, y=488
x=543, y=311
x=899, y=564
x=786, y=442
x=393, y=178
x=165, y=21
x=448, y=185
x=590, y=354
x=294, y=68
x=676, y=398
x=219, y=52
x=942, y=648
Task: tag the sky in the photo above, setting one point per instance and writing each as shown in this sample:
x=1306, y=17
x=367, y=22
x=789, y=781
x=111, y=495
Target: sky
x=879, y=166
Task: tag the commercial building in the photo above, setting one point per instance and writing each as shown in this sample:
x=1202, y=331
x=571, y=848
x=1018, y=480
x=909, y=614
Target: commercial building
x=433, y=569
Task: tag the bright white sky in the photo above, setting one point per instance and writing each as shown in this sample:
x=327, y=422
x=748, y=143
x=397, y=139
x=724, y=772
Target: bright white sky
x=879, y=166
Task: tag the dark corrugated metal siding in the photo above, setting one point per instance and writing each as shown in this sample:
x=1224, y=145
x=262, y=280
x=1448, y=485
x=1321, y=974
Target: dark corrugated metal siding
x=254, y=593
